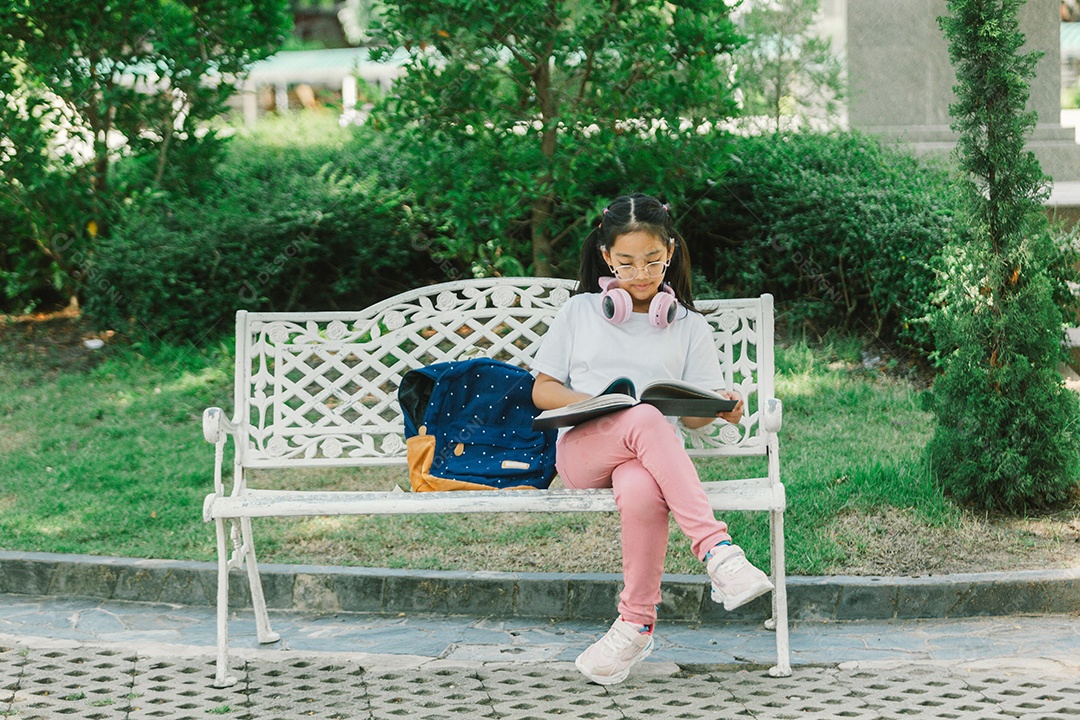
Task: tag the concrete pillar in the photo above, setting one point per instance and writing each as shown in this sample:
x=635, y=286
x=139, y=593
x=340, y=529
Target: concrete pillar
x=900, y=77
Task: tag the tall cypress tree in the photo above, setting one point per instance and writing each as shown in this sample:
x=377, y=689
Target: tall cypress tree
x=1007, y=427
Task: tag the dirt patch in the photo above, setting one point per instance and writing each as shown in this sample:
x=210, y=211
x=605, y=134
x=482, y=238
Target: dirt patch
x=590, y=547
x=11, y=440
x=897, y=542
x=891, y=543
x=52, y=343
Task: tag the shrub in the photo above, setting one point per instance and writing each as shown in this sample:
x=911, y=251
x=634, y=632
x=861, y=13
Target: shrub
x=465, y=215
x=840, y=227
x=26, y=273
x=472, y=216
x=290, y=228
x=1006, y=436
x=138, y=79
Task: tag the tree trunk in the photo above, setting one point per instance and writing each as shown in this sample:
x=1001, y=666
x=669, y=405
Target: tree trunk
x=100, y=182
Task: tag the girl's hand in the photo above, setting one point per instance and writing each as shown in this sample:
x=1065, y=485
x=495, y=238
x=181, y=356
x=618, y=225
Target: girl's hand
x=735, y=415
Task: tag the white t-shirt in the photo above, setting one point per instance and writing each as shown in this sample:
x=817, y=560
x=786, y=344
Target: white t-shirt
x=585, y=351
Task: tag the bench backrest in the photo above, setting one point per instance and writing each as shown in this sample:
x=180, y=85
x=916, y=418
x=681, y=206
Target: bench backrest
x=315, y=389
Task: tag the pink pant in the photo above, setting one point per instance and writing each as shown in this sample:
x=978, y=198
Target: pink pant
x=638, y=454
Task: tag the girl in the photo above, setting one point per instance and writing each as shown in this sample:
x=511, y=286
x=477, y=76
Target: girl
x=633, y=315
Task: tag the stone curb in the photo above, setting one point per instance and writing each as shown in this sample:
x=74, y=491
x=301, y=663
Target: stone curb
x=322, y=589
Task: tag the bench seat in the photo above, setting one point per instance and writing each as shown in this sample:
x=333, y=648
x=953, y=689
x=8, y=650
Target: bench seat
x=727, y=495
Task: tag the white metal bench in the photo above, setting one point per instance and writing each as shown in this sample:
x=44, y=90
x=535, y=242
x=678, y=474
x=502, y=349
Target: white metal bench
x=320, y=389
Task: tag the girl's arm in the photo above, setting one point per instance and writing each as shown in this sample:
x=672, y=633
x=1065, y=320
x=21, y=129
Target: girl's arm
x=732, y=417
x=548, y=393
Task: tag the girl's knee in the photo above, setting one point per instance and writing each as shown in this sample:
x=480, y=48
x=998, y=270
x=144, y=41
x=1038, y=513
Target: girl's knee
x=637, y=494
x=647, y=417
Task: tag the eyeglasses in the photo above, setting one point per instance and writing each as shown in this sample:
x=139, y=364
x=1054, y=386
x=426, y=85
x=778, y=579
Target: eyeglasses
x=652, y=270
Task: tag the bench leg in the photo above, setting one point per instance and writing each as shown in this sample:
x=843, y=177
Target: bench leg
x=222, y=679
x=779, y=620
x=258, y=600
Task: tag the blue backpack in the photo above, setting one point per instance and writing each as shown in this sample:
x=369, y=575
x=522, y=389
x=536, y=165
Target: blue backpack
x=468, y=426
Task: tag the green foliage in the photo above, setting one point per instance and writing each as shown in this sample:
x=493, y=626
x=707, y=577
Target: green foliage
x=786, y=73
x=43, y=203
x=1006, y=434
x=26, y=273
x=470, y=212
x=549, y=88
x=290, y=228
x=84, y=84
x=839, y=227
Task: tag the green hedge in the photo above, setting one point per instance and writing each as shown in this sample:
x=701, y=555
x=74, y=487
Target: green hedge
x=840, y=227
x=42, y=238
x=476, y=191
x=290, y=228
x=26, y=273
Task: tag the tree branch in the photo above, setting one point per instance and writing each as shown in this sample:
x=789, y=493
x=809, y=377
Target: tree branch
x=562, y=236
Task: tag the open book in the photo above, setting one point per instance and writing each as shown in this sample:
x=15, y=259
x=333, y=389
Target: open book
x=670, y=397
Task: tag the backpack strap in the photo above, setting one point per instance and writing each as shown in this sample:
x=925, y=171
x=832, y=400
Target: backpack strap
x=414, y=394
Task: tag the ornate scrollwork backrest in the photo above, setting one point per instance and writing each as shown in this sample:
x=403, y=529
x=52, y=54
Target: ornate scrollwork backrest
x=743, y=333
x=321, y=388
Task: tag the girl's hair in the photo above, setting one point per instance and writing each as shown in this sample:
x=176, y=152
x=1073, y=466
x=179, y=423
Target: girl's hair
x=627, y=214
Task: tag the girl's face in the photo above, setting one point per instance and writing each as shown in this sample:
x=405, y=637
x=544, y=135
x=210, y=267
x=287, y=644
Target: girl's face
x=638, y=249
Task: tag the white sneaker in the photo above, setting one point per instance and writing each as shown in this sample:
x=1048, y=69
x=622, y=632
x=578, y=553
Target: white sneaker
x=608, y=660
x=735, y=581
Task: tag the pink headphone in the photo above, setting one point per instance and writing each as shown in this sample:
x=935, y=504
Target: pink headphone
x=617, y=305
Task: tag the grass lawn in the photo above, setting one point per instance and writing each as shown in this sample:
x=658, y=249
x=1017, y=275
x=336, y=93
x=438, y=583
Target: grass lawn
x=101, y=452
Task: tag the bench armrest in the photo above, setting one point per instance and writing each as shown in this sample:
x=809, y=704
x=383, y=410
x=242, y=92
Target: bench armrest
x=215, y=425
x=772, y=415
x=216, y=431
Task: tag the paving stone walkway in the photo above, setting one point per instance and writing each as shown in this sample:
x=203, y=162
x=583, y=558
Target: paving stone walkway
x=101, y=684
x=95, y=659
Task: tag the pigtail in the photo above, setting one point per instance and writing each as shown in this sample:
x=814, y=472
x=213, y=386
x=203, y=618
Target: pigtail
x=678, y=274
x=592, y=266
